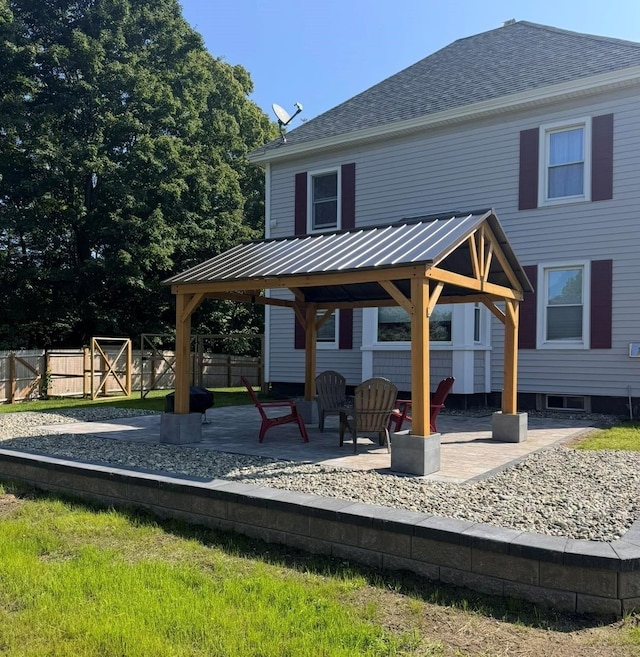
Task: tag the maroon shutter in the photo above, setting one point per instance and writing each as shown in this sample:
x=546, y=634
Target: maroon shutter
x=601, y=303
x=528, y=181
x=528, y=312
x=300, y=205
x=348, y=200
x=602, y=157
x=345, y=336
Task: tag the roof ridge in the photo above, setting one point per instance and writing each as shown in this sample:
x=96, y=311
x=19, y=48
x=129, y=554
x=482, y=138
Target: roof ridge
x=584, y=35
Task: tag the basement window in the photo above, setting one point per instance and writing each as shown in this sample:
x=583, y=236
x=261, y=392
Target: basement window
x=565, y=403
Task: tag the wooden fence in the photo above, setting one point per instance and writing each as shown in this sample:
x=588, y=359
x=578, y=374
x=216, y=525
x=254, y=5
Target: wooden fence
x=29, y=374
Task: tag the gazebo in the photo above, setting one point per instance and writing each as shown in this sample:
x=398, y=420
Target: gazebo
x=452, y=258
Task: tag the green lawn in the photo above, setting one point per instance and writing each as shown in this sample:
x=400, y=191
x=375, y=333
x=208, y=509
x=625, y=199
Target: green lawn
x=154, y=401
x=77, y=581
x=623, y=436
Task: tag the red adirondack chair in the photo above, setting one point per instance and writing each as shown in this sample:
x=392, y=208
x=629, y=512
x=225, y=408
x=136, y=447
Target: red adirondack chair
x=268, y=422
x=402, y=413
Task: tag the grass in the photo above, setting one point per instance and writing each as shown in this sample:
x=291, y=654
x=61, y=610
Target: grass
x=76, y=581
x=81, y=581
x=625, y=436
x=154, y=401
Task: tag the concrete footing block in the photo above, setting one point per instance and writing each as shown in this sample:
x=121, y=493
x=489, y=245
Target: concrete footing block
x=509, y=427
x=417, y=455
x=181, y=428
x=308, y=410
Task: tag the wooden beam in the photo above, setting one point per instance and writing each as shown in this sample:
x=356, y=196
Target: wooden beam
x=397, y=295
x=510, y=387
x=487, y=264
x=494, y=309
x=300, y=310
x=468, y=283
x=246, y=298
x=420, y=393
x=310, y=353
x=321, y=320
x=473, y=251
x=346, y=277
x=183, y=354
x=504, y=263
x=192, y=305
x=481, y=259
x=433, y=299
x=298, y=294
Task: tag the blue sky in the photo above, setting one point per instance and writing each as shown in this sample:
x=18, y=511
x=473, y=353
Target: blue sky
x=322, y=52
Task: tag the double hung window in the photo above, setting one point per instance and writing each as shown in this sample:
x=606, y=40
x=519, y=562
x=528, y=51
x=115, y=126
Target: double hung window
x=565, y=306
x=565, y=162
x=325, y=193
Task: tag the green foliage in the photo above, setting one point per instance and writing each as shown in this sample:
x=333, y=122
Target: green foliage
x=122, y=160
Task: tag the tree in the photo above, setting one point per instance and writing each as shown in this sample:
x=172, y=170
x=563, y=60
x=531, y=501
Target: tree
x=123, y=149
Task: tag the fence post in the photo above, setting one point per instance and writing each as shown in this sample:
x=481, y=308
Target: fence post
x=85, y=368
x=12, y=378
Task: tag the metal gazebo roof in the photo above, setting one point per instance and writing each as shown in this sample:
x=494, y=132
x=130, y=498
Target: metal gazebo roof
x=347, y=256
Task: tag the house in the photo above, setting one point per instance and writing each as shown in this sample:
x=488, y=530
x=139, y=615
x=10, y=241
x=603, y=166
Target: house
x=538, y=123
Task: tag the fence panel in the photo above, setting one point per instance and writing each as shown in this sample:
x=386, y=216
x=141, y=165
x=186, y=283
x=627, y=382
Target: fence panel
x=24, y=374
x=21, y=374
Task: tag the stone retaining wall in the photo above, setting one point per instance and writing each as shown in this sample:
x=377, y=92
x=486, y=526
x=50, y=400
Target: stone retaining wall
x=565, y=574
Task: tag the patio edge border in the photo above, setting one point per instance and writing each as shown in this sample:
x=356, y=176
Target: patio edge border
x=565, y=574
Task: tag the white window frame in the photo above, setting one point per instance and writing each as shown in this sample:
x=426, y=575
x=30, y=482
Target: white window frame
x=310, y=176
x=541, y=327
x=543, y=160
x=327, y=344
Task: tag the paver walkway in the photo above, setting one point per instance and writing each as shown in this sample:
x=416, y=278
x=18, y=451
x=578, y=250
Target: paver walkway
x=467, y=452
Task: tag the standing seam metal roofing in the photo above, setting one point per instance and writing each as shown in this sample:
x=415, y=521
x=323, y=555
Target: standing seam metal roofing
x=422, y=241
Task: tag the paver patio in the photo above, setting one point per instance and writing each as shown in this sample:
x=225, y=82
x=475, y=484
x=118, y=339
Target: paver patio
x=468, y=451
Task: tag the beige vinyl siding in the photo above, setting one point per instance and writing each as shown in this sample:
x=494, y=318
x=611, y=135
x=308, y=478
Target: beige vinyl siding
x=475, y=165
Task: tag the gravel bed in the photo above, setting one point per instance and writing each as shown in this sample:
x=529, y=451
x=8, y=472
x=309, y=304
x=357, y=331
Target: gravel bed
x=561, y=492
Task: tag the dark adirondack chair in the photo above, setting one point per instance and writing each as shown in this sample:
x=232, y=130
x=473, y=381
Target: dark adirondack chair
x=331, y=392
x=403, y=411
x=268, y=422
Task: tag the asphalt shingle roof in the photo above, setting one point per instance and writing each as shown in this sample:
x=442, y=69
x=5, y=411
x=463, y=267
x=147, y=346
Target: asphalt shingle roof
x=514, y=58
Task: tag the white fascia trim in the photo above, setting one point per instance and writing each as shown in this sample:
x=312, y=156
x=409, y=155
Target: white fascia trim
x=268, y=222
x=584, y=87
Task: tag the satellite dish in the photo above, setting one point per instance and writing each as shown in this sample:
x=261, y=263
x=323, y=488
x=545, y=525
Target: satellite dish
x=281, y=113
x=283, y=116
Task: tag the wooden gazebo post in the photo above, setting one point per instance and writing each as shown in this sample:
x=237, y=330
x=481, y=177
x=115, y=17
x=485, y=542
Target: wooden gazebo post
x=181, y=426
x=510, y=387
x=420, y=386
x=183, y=354
x=311, y=334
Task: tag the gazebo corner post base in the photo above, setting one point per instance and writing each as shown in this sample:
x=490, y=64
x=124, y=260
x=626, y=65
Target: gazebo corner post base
x=416, y=455
x=181, y=428
x=308, y=410
x=509, y=427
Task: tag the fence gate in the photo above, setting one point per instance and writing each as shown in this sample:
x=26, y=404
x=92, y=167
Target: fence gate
x=111, y=369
